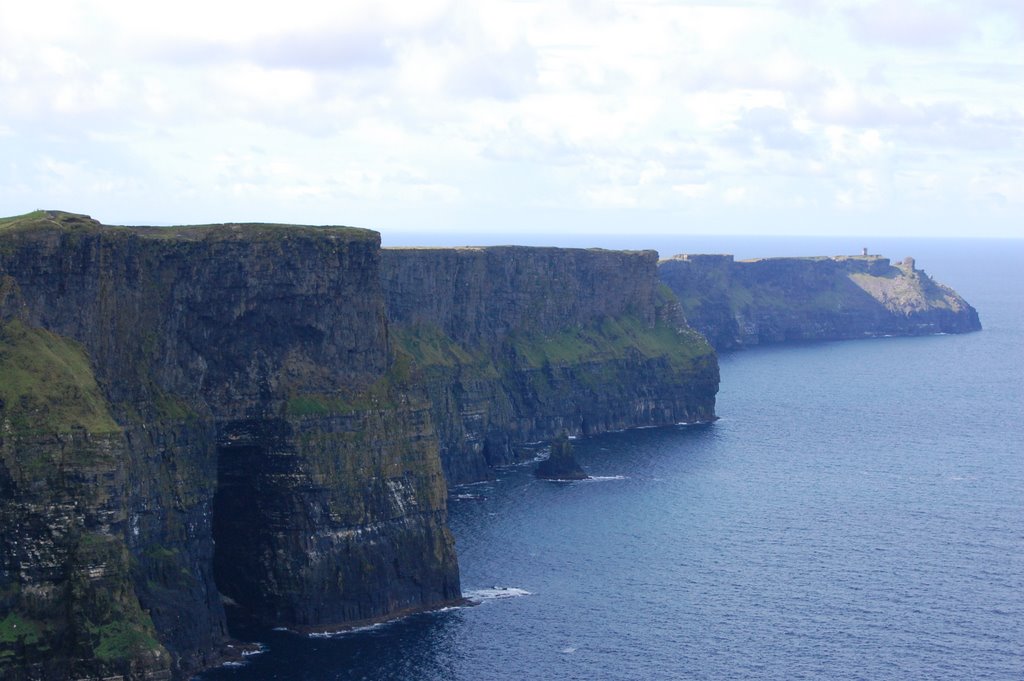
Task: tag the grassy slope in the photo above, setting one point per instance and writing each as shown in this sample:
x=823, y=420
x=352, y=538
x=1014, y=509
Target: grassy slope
x=47, y=384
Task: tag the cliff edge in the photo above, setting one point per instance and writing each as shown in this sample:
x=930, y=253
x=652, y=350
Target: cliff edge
x=771, y=300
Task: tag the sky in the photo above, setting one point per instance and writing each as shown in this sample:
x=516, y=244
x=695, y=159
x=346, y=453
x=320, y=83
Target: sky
x=899, y=117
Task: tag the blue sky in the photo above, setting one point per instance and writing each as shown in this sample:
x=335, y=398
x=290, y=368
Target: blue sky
x=792, y=117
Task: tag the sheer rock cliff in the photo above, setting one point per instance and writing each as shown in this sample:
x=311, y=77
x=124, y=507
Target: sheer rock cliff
x=257, y=421
x=200, y=416
x=771, y=300
x=517, y=345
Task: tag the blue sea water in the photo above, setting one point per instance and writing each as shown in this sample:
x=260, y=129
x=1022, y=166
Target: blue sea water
x=856, y=513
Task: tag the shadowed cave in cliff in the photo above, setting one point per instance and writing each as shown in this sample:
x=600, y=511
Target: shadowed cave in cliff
x=261, y=513
x=236, y=526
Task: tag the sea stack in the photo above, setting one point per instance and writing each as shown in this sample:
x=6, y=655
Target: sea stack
x=561, y=465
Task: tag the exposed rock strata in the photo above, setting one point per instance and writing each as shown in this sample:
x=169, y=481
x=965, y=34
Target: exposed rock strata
x=517, y=345
x=165, y=387
x=754, y=302
x=194, y=417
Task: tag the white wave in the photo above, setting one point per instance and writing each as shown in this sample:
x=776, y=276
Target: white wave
x=526, y=462
x=605, y=478
x=449, y=608
x=259, y=651
x=283, y=629
x=474, y=484
x=351, y=630
x=232, y=663
x=495, y=593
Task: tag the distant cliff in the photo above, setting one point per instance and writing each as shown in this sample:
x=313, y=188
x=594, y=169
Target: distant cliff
x=252, y=418
x=753, y=302
x=517, y=345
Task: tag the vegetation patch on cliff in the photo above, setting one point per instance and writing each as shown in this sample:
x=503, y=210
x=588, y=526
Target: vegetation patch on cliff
x=612, y=338
x=15, y=630
x=104, y=608
x=427, y=345
x=47, y=384
x=383, y=393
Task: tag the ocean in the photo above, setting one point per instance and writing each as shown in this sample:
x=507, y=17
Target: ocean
x=856, y=513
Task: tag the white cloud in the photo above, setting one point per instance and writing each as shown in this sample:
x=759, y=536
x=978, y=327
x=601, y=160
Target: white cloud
x=613, y=195
x=735, y=194
x=693, y=190
x=392, y=112
x=910, y=23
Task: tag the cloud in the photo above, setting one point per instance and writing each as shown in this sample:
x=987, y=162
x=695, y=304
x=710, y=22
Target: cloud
x=313, y=50
x=501, y=107
x=780, y=71
x=769, y=128
x=946, y=124
x=500, y=74
x=325, y=50
x=909, y=23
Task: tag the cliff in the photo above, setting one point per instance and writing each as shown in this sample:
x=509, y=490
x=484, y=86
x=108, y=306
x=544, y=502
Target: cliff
x=256, y=420
x=516, y=345
x=198, y=416
x=752, y=302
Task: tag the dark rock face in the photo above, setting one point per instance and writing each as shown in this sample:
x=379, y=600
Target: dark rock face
x=561, y=464
x=516, y=345
x=737, y=304
x=164, y=387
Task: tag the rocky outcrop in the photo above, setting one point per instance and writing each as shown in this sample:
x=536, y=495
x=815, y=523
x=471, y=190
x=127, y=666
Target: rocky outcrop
x=516, y=345
x=560, y=464
x=752, y=302
x=165, y=388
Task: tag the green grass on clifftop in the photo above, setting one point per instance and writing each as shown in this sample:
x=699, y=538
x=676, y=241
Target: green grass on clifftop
x=252, y=231
x=46, y=219
x=17, y=220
